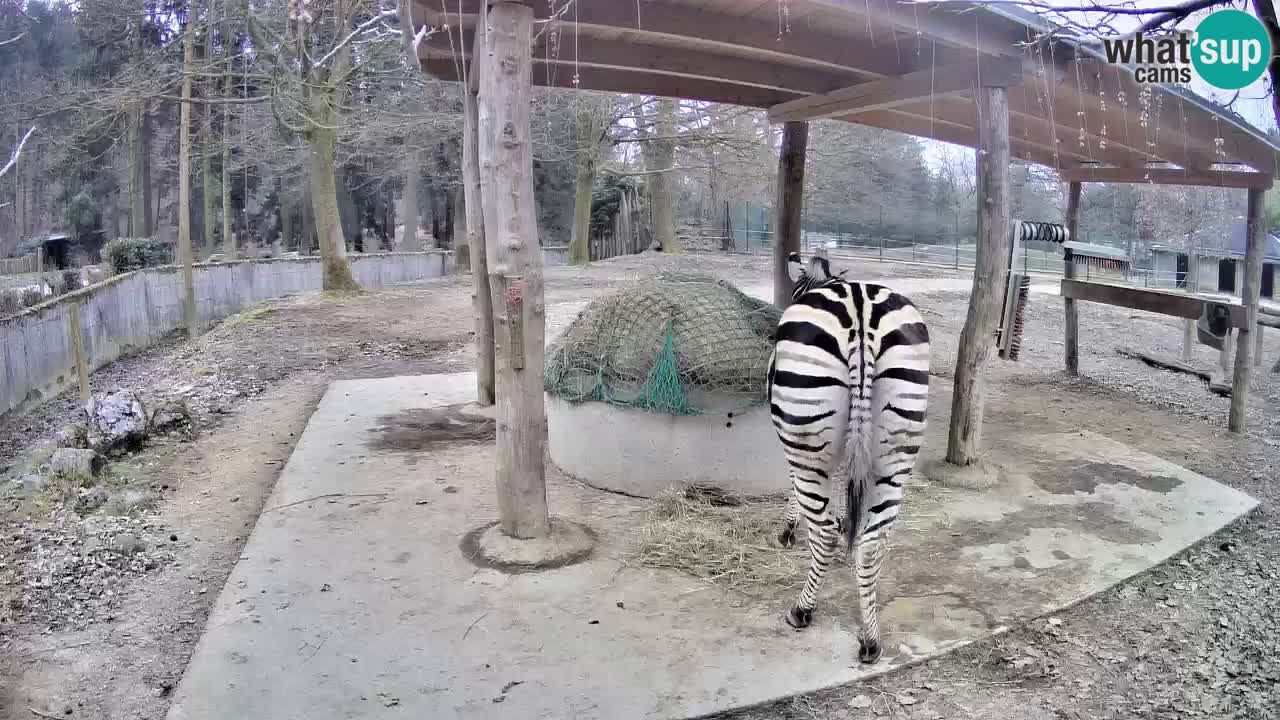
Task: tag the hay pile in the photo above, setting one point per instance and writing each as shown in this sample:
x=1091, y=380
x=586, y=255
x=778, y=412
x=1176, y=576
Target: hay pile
x=728, y=540
x=663, y=343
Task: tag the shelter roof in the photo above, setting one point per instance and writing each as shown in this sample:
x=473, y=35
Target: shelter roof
x=909, y=67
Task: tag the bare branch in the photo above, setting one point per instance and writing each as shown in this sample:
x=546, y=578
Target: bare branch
x=215, y=101
x=13, y=39
x=13, y=161
x=360, y=30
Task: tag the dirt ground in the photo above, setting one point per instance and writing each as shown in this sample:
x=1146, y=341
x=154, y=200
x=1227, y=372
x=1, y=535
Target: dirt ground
x=1197, y=636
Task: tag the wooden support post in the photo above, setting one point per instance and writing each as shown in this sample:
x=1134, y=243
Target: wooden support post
x=1071, y=339
x=76, y=335
x=1257, y=347
x=964, y=435
x=481, y=299
x=1250, y=290
x=1188, y=339
x=1224, y=357
x=790, y=204
x=515, y=266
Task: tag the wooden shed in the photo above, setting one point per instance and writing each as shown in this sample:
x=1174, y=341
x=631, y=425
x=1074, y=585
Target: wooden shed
x=990, y=77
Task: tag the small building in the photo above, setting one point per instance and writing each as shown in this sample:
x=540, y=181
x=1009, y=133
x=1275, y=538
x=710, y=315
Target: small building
x=1099, y=262
x=1219, y=269
x=64, y=251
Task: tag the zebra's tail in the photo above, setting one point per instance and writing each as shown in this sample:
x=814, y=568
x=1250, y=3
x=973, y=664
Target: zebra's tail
x=858, y=472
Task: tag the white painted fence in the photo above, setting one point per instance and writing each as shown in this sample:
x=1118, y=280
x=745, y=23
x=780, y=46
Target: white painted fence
x=133, y=310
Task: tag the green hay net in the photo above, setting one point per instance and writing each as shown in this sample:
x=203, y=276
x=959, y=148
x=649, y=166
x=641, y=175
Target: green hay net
x=674, y=343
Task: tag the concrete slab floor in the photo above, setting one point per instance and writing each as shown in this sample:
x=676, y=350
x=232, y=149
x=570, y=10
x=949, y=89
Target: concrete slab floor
x=353, y=600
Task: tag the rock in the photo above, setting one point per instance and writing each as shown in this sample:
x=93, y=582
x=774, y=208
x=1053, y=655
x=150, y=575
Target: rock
x=31, y=483
x=128, y=544
x=91, y=499
x=132, y=501
x=116, y=420
x=75, y=462
x=860, y=701
x=170, y=416
x=75, y=435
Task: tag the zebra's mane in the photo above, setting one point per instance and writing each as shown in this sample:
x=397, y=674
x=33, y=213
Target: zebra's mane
x=808, y=281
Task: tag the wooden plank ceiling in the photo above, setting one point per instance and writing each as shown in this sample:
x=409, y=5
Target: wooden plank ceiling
x=917, y=63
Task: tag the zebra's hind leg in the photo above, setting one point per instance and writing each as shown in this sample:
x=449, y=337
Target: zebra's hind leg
x=868, y=556
x=823, y=538
x=790, y=518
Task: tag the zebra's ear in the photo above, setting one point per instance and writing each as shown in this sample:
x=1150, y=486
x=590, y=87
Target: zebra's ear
x=795, y=268
x=819, y=267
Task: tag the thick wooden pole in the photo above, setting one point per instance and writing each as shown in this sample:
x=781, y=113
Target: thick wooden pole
x=787, y=209
x=1072, y=334
x=1249, y=292
x=990, y=271
x=481, y=301
x=76, y=334
x=515, y=266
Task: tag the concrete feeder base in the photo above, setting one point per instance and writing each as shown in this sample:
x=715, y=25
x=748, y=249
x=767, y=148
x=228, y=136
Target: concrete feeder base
x=644, y=453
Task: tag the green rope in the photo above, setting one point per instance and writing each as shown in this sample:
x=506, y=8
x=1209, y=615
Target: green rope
x=661, y=391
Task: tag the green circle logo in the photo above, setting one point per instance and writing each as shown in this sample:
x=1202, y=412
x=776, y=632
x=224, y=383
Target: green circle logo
x=1232, y=49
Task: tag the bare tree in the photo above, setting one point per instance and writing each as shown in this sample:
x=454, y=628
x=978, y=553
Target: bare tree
x=312, y=72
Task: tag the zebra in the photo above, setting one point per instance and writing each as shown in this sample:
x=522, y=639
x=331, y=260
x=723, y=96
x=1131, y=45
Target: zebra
x=848, y=386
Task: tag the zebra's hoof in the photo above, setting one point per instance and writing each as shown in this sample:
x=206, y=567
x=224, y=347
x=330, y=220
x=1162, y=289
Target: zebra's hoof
x=787, y=537
x=868, y=651
x=798, y=618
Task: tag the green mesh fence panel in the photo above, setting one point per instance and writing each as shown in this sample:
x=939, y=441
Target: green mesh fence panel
x=674, y=343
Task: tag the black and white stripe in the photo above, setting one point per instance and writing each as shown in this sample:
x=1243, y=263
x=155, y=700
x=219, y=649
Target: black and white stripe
x=848, y=388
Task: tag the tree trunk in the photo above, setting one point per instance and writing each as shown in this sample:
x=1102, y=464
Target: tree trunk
x=515, y=267
x=588, y=127
x=286, y=216
x=189, y=319
x=324, y=199
x=578, y=254
x=663, y=154
x=228, y=217
x=450, y=203
x=138, y=215
x=207, y=220
x=787, y=211
x=462, y=249
x=148, y=215
x=990, y=272
x=409, y=201
x=481, y=301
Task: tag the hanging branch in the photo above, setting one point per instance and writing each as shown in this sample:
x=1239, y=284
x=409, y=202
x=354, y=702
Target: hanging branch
x=13, y=161
x=14, y=39
x=361, y=29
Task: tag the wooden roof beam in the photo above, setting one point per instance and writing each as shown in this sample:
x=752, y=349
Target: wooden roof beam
x=687, y=22
x=902, y=90
x=660, y=59
x=1030, y=130
x=1171, y=114
x=1236, y=179
x=959, y=134
x=959, y=28
x=636, y=82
